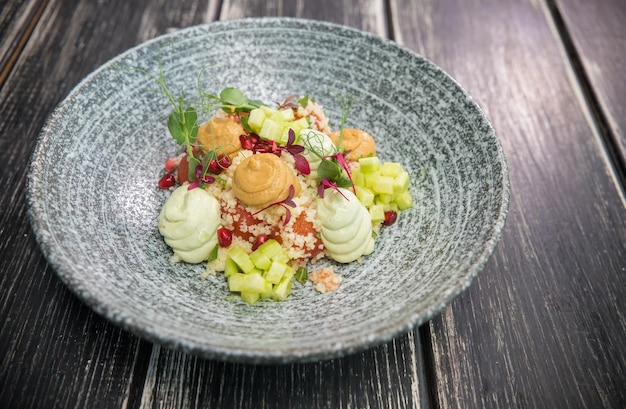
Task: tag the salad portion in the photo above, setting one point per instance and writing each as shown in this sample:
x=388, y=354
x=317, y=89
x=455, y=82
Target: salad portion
x=264, y=192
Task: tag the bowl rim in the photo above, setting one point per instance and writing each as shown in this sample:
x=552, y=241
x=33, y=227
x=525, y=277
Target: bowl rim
x=328, y=351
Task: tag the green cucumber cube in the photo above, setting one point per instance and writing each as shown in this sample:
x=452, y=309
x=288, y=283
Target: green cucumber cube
x=390, y=169
x=371, y=178
x=365, y=195
x=250, y=298
x=287, y=114
x=230, y=267
x=268, y=111
x=299, y=125
x=252, y=283
x=383, y=185
x=385, y=199
x=276, y=271
x=271, y=130
x=270, y=248
x=282, y=257
x=256, y=119
x=241, y=258
x=377, y=213
x=392, y=206
x=282, y=290
x=284, y=136
x=404, y=200
x=260, y=260
x=401, y=182
x=369, y=164
x=358, y=178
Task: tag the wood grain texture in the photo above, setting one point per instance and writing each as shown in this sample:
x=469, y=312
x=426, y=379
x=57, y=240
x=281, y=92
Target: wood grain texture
x=598, y=32
x=544, y=325
x=17, y=21
x=390, y=376
x=384, y=377
x=54, y=352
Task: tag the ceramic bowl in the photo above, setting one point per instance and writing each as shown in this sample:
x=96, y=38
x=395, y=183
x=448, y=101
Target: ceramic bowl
x=94, y=200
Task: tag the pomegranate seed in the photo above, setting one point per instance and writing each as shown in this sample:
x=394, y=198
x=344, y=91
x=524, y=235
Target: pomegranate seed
x=390, y=218
x=224, y=237
x=214, y=167
x=171, y=164
x=248, y=141
x=167, y=181
x=224, y=161
x=260, y=239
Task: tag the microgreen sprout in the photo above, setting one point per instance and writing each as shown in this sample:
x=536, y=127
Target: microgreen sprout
x=286, y=203
x=331, y=169
x=346, y=105
x=261, y=146
x=232, y=101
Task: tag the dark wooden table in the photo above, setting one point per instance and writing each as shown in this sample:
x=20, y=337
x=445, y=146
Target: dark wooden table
x=543, y=326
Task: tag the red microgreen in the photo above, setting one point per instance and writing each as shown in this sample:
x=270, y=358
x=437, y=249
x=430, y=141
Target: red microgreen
x=331, y=170
x=289, y=102
x=256, y=145
x=327, y=184
x=286, y=203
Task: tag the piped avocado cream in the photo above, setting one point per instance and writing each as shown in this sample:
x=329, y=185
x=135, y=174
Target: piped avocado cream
x=188, y=222
x=316, y=146
x=346, y=226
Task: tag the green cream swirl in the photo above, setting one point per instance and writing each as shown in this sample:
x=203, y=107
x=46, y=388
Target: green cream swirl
x=346, y=227
x=188, y=222
x=316, y=146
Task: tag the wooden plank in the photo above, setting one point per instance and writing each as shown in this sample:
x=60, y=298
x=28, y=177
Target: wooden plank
x=54, y=352
x=598, y=32
x=544, y=325
x=384, y=377
x=18, y=18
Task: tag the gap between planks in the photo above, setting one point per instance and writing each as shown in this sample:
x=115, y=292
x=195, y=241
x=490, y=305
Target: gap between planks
x=599, y=120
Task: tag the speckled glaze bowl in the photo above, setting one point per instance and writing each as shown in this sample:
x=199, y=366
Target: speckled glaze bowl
x=94, y=200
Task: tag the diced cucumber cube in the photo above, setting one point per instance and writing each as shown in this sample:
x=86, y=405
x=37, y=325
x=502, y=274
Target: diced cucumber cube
x=287, y=114
x=385, y=199
x=269, y=111
x=282, y=290
x=271, y=130
x=404, y=200
x=298, y=126
x=383, y=185
x=284, y=136
x=369, y=164
x=377, y=213
x=401, y=182
x=357, y=177
x=241, y=258
x=270, y=248
x=250, y=298
x=282, y=257
x=392, y=206
x=230, y=267
x=289, y=273
x=276, y=271
x=256, y=119
x=260, y=260
x=390, y=169
x=371, y=178
x=365, y=195
x=253, y=283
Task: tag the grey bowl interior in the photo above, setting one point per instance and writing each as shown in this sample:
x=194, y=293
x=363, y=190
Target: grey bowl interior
x=94, y=200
